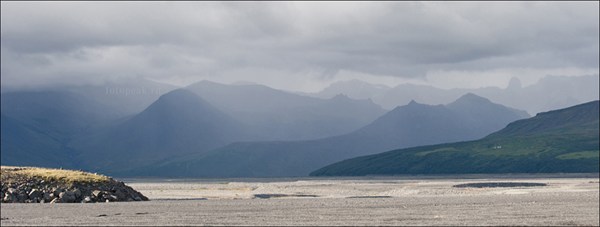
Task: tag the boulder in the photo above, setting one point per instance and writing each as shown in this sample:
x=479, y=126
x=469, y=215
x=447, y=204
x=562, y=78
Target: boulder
x=35, y=194
x=67, y=197
x=97, y=194
x=48, y=196
x=22, y=197
x=121, y=195
x=77, y=193
x=57, y=191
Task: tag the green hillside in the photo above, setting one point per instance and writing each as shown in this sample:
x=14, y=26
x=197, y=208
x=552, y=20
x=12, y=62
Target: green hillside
x=565, y=140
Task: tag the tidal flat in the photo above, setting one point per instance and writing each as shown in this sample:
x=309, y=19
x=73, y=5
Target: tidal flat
x=511, y=200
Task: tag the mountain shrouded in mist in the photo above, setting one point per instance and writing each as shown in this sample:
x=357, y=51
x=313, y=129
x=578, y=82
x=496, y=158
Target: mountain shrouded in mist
x=216, y=130
x=91, y=130
x=178, y=122
x=406, y=126
x=280, y=115
x=550, y=92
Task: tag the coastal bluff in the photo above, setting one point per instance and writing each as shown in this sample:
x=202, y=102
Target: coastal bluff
x=46, y=185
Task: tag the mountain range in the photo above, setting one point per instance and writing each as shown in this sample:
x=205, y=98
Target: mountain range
x=97, y=131
x=469, y=117
x=564, y=140
x=278, y=115
x=549, y=93
x=179, y=122
x=207, y=129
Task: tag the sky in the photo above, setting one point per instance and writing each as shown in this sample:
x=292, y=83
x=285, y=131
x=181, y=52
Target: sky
x=298, y=46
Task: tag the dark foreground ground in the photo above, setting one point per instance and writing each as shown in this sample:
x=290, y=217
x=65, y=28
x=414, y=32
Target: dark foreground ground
x=571, y=201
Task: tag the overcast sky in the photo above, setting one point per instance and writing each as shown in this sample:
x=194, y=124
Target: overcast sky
x=302, y=46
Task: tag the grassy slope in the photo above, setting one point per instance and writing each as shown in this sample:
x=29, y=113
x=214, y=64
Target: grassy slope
x=557, y=141
x=12, y=173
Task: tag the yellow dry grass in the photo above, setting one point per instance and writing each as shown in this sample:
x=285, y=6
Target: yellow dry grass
x=10, y=173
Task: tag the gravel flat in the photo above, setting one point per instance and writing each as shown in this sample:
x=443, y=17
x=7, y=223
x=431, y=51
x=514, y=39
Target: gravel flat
x=564, y=201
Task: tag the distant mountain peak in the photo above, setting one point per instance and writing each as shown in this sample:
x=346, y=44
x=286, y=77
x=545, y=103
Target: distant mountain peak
x=180, y=101
x=412, y=105
x=178, y=95
x=472, y=98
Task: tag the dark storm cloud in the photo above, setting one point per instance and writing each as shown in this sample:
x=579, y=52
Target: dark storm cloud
x=280, y=42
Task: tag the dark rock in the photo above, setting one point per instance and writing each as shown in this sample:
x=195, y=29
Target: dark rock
x=67, y=197
x=22, y=197
x=121, y=195
x=57, y=191
x=77, y=193
x=48, y=196
x=35, y=194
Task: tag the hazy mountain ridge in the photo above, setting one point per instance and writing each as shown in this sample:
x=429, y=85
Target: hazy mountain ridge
x=356, y=89
x=124, y=98
x=100, y=137
x=550, y=92
x=115, y=99
x=178, y=122
x=280, y=115
x=406, y=126
x=40, y=125
x=564, y=140
x=184, y=134
x=29, y=147
x=61, y=113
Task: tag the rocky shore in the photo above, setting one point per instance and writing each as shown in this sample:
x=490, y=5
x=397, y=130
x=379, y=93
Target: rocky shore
x=40, y=185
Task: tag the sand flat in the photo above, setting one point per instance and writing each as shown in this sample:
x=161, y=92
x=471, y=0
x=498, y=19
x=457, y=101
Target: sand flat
x=387, y=201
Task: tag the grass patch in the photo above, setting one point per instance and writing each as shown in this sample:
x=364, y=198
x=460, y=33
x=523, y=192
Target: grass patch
x=579, y=155
x=436, y=150
x=12, y=173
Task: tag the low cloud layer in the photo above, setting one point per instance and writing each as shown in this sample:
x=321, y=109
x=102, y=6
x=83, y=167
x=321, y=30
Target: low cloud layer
x=297, y=45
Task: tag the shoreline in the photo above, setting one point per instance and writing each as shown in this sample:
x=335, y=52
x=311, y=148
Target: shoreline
x=370, y=177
